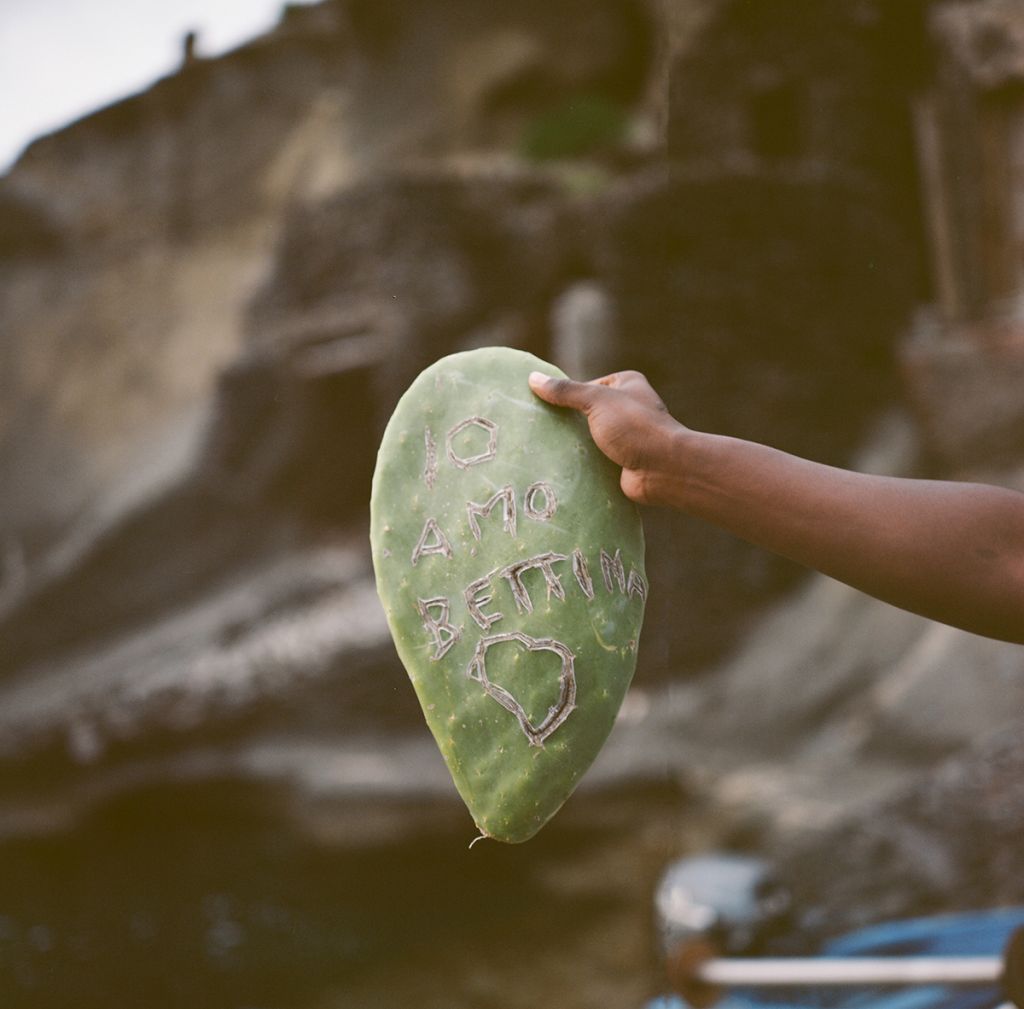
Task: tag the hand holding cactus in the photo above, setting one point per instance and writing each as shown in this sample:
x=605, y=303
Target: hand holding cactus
x=630, y=424
x=948, y=550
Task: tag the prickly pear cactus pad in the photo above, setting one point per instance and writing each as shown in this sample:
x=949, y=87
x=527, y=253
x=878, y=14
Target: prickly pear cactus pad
x=511, y=568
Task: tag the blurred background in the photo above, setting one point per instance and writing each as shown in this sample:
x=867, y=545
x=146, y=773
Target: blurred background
x=803, y=219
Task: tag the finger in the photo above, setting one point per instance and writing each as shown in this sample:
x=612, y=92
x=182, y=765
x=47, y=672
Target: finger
x=635, y=384
x=622, y=380
x=563, y=391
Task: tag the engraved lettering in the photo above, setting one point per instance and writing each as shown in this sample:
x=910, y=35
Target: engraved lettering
x=636, y=585
x=475, y=602
x=612, y=567
x=430, y=465
x=507, y=497
x=530, y=501
x=424, y=545
x=513, y=574
x=442, y=632
x=581, y=570
x=558, y=712
x=488, y=453
x=551, y=580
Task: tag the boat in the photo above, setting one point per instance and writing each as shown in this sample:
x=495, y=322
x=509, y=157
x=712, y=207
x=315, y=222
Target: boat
x=716, y=911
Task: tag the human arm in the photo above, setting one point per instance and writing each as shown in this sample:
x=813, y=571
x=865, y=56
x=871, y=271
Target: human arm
x=950, y=551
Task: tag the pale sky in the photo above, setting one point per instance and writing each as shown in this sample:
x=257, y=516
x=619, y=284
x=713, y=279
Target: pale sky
x=60, y=59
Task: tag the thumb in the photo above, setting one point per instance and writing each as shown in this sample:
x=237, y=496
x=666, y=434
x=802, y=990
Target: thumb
x=563, y=391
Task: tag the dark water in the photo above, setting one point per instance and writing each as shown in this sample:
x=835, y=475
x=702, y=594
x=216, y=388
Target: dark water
x=220, y=894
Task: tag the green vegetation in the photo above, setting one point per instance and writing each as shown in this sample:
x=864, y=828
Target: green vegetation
x=580, y=126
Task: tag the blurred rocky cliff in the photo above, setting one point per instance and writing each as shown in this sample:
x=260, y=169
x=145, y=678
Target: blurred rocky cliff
x=212, y=294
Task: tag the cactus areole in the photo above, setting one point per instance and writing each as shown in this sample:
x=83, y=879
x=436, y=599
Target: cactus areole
x=511, y=569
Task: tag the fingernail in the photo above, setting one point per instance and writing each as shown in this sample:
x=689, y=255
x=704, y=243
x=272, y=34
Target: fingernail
x=537, y=378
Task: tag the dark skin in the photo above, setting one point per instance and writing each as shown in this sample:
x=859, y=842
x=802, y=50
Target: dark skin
x=953, y=552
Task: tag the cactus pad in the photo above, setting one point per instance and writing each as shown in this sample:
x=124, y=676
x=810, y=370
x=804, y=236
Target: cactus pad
x=511, y=569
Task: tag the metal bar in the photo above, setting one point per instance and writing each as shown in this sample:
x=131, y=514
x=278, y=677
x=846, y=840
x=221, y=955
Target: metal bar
x=762, y=972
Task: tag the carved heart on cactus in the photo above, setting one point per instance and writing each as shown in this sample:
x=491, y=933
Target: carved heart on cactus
x=557, y=713
x=511, y=570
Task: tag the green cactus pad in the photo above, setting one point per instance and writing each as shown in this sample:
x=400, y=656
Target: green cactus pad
x=511, y=569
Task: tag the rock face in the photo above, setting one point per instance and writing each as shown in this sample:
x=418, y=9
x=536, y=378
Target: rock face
x=159, y=216
x=949, y=843
x=965, y=389
x=418, y=264
x=162, y=210
x=746, y=338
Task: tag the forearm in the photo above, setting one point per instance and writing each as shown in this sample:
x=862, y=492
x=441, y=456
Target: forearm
x=950, y=551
